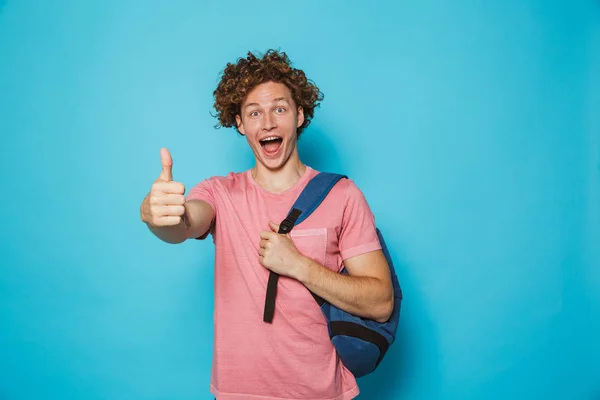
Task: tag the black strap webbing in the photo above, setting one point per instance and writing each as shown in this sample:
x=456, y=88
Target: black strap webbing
x=318, y=299
x=285, y=227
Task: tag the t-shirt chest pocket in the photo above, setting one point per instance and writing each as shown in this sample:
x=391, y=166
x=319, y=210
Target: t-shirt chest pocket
x=311, y=243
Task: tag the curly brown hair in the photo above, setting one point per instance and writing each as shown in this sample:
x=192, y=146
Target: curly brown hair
x=239, y=79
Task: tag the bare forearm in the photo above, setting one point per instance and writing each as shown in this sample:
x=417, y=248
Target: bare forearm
x=363, y=296
x=170, y=234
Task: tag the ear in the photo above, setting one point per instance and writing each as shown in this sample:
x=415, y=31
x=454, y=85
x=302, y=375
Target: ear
x=240, y=124
x=300, y=117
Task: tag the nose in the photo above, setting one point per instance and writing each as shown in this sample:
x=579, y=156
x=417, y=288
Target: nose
x=269, y=122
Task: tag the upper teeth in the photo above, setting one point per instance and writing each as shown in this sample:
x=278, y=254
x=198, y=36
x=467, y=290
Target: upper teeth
x=271, y=138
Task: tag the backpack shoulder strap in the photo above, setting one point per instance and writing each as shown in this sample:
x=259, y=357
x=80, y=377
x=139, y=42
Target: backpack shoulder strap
x=312, y=195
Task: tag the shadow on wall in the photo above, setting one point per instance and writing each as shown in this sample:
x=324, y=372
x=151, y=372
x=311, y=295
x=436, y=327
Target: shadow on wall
x=415, y=351
x=318, y=151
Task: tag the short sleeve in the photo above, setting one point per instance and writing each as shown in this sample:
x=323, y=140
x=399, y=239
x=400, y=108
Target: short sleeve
x=358, y=234
x=204, y=191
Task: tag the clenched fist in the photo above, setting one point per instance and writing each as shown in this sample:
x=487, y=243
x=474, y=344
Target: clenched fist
x=164, y=205
x=278, y=253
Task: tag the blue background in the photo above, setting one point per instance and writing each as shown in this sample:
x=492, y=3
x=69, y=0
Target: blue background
x=472, y=127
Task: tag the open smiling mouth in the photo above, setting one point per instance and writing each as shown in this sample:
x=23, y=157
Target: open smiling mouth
x=271, y=144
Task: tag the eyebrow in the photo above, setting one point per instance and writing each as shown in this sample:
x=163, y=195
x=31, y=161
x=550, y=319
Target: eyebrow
x=274, y=101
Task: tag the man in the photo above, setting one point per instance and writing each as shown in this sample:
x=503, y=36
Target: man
x=271, y=103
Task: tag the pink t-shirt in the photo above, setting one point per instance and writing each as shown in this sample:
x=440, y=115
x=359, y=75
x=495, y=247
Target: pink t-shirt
x=293, y=357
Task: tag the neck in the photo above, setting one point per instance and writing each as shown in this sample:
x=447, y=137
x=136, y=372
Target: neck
x=281, y=179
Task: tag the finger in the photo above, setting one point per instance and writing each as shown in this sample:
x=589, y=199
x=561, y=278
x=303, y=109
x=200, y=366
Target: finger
x=169, y=187
x=261, y=252
x=261, y=259
x=167, y=165
x=274, y=227
x=266, y=235
x=171, y=211
x=168, y=200
x=166, y=221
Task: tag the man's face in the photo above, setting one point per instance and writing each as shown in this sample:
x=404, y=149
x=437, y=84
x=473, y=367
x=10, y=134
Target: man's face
x=269, y=119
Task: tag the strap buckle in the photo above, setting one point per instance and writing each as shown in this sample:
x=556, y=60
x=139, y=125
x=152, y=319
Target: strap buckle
x=288, y=223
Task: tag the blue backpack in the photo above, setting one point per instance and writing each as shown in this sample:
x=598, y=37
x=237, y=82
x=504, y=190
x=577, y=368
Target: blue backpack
x=360, y=343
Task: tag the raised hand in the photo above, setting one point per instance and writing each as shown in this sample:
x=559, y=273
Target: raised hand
x=164, y=205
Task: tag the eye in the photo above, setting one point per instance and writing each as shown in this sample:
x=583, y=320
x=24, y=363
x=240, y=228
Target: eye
x=254, y=113
x=280, y=110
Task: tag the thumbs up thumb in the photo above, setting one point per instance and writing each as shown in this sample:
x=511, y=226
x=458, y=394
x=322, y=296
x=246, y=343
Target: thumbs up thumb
x=167, y=165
